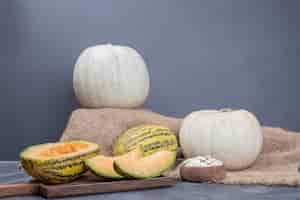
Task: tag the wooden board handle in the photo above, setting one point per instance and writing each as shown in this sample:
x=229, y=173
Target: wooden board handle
x=20, y=189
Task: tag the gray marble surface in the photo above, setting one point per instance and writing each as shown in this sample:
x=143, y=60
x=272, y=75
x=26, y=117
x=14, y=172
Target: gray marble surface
x=183, y=190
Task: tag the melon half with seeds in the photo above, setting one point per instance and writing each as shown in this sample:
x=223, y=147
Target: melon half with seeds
x=146, y=167
x=59, y=162
x=103, y=166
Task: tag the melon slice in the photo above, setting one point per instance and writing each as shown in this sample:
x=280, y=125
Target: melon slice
x=102, y=166
x=146, y=167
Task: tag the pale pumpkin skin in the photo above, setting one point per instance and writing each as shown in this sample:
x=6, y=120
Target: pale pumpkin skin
x=111, y=76
x=232, y=136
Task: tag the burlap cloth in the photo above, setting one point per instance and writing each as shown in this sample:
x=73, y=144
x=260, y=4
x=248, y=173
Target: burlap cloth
x=277, y=165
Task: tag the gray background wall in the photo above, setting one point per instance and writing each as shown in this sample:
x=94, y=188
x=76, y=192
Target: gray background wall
x=201, y=54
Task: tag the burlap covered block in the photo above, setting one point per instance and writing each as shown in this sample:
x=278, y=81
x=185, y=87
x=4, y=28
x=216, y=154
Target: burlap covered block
x=277, y=165
x=103, y=126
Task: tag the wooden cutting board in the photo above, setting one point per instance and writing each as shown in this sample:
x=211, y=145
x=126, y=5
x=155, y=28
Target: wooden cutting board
x=88, y=184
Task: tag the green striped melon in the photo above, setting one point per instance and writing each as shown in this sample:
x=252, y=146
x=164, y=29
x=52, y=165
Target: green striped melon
x=60, y=162
x=151, y=138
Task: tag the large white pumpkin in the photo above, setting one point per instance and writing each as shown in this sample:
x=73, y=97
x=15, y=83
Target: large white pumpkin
x=111, y=76
x=233, y=136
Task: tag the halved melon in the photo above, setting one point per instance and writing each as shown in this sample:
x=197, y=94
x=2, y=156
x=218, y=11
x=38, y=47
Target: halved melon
x=146, y=167
x=103, y=166
x=59, y=162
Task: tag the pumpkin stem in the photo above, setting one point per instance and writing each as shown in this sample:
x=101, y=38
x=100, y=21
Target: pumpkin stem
x=226, y=110
x=20, y=167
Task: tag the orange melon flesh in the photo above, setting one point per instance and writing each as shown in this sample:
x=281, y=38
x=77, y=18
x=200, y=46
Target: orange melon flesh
x=146, y=167
x=58, y=150
x=65, y=148
x=103, y=166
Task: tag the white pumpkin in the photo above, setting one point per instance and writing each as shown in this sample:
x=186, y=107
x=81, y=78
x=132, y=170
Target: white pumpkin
x=232, y=136
x=111, y=76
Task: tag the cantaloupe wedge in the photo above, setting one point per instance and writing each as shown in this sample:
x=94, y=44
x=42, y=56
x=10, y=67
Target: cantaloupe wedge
x=146, y=167
x=102, y=166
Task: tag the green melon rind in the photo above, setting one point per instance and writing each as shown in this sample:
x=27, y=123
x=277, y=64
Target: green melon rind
x=51, y=171
x=123, y=173
x=118, y=169
x=46, y=174
x=99, y=172
x=136, y=134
